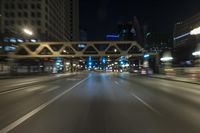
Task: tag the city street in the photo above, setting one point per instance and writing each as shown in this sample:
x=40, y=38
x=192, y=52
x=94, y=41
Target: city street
x=102, y=103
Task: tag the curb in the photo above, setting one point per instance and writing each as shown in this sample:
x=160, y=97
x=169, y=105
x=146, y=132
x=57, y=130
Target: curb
x=174, y=80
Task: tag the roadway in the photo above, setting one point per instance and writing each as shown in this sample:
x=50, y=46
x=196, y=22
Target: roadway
x=102, y=103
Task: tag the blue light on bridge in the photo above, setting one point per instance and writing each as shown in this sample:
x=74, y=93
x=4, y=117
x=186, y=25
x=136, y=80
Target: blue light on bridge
x=90, y=63
x=104, y=60
x=146, y=56
x=81, y=45
x=112, y=36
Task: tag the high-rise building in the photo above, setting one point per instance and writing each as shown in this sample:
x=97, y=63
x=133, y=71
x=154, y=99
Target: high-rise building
x=127, y=31
x=131, y=30
x=72, y=19
x=159, y=42
x=50, y=20
x=184, y=43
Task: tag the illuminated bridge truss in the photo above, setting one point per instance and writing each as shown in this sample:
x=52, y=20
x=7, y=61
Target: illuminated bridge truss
x=77, y=49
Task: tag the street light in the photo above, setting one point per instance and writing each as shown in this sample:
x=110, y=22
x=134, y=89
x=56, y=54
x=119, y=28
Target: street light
x=195, y=31
x=197, y=53
x=164, y=59
x=28, y=32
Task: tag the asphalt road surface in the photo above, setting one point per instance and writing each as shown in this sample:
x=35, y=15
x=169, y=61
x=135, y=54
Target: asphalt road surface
x=102, y=103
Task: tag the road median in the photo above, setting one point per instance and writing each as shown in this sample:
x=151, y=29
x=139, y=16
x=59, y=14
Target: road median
x=177, y=79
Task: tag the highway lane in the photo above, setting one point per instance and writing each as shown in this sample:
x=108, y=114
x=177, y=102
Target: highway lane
x=6, y=84
x=103, y=103
x=15, y=104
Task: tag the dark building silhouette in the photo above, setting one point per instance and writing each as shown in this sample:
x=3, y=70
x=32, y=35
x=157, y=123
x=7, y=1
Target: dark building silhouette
x=131, y=31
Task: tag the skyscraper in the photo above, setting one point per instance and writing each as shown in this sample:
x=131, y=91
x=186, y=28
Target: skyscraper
x=50, y=20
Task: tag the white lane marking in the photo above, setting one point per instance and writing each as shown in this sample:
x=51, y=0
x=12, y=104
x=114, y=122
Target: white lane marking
x=35, y=88
x=116, y=82
x=38, y=109
x=49, y=90
x=14, y=90
x=24, y=83
x=146, y=104
x=72, y=79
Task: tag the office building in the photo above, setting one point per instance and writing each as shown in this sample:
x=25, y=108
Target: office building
x=49, y=20
x=184, y=43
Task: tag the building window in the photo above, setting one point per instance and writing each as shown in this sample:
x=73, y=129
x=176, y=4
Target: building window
x=38, y=6
x=6, y=22
x=25, y=22
x=32, y=6
x=39, y=30
x=12, y=22
x=6, y=6
x=38, y=22
x=39, y=14
x=7, y=14
x=32, y=14
x=32, y=22
x=12, y=6
x=25, y=14
x=46, y=9
x=25, y=6
x=19, y=6
x=46, y=25
x=19, y=14
x=19, y=23
x=12, y=14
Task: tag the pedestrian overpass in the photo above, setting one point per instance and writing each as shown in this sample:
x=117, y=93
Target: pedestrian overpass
x=74, y=55
x=77, y=49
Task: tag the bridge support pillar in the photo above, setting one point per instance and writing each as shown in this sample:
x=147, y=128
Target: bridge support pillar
x=71, y=66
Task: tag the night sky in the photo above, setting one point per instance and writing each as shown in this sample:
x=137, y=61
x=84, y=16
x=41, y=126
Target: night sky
x=100, y=17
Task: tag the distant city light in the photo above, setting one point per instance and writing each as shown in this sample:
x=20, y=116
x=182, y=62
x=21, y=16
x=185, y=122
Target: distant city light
x=67, y=63
x=20, y=40
x=112, y=36
x=58, y=63
x=197, y=53
x=28, y=32
x=146, y=56
x=127, y=65
x=121, y=62
x=166, y=59
x=104, y=60
x=81, y=45
x=13, y=40
x=195, y=31
x=9, y=48
x=90, y=63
